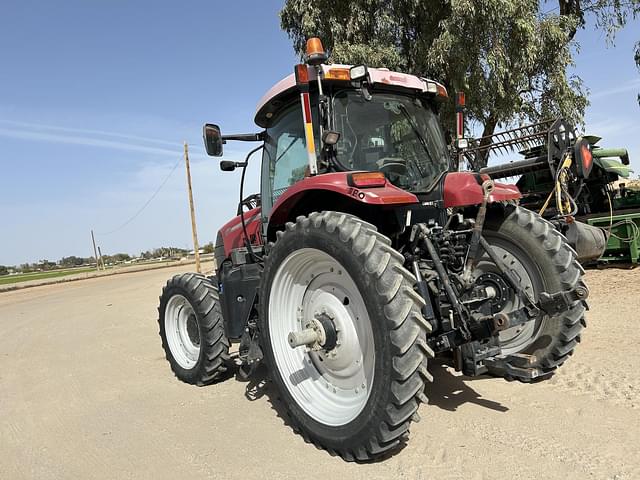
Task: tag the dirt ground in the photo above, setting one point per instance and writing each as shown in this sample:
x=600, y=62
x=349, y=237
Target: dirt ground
x=85, y=392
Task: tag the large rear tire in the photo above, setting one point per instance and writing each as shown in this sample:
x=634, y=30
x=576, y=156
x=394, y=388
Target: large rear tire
x=192, y=330
x=543, y=261
x=356, y=399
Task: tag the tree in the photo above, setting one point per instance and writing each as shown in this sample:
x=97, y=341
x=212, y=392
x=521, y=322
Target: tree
x=73, y=261
x=607, y=15
x=4, y=270
x=116, y=258
x=208, y=248
x=637, y=58
x=46, y=265
x=511, y=61
x=510, y=56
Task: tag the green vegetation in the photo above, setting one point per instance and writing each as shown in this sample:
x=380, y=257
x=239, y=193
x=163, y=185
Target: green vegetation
x=510, y=57
x=207, y=248
x=71, y=265
x=24, y=277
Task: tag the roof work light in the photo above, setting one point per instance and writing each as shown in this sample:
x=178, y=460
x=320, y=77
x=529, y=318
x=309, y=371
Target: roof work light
x=357, y=72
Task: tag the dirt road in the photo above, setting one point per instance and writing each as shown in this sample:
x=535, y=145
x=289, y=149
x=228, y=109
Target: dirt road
x=85, y=393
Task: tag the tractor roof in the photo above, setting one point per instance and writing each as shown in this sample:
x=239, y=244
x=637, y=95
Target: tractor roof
x=272, y=100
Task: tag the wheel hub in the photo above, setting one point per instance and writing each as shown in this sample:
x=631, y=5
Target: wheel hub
x=329, y=331
x=501, y=293
x=319, y=334
x=192, y=330
x=322, y=340
x=504, y=298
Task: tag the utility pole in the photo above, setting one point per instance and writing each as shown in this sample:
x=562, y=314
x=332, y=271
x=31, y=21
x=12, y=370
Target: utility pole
x=196, y=248
x=101, y=260
x=95, y=251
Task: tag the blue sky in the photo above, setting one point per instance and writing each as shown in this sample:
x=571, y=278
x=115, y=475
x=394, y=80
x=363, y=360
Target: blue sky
x=96, y=99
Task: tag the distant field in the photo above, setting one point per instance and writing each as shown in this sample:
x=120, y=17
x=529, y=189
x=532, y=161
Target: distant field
x=6, y=279
x=147, y=264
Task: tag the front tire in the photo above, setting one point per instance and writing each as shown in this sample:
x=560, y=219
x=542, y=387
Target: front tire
x=192, y=330
x=358, y=398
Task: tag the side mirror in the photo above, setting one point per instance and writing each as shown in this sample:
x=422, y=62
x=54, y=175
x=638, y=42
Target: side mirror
x=212, y=140
x=228, y=165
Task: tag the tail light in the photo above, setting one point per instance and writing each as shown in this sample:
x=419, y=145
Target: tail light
x=367, y=179
x=442, y=92
x=583, y=157
x=435, y=87
x=302, y=74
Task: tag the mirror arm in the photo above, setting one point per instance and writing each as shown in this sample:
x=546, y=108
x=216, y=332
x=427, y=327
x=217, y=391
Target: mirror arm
x=244, y=137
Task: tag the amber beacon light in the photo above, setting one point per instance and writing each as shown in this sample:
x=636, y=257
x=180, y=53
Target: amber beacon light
x=315, y=52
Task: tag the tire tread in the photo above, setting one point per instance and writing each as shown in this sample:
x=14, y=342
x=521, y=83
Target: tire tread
x=214, y=356
x=407, y=331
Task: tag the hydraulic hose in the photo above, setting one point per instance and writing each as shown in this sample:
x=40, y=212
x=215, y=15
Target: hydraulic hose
x=247, y=242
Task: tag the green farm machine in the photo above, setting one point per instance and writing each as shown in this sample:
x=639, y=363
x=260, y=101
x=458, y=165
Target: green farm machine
x=571, y=180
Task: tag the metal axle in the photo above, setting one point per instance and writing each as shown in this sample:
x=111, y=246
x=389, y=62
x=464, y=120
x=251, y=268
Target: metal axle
x=308, y=336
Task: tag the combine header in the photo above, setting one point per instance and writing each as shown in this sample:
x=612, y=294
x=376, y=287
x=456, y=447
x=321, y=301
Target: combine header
x=571, y=181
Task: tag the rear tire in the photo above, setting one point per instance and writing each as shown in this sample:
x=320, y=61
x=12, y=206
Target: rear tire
x=192, y=330
x=311, y=265
x=526, y=238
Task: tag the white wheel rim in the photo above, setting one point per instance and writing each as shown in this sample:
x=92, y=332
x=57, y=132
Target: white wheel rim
x=332, y=388
x=181, y=329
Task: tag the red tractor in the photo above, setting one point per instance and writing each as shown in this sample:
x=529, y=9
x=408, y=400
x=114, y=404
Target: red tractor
x=363, y=257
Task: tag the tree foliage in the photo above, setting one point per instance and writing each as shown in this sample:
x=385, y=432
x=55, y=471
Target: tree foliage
x=510, y=56
x=637, y=59
x=116, y=258
x=606, y=15
x=164, y=252
x=73, y=261
x=208, y=248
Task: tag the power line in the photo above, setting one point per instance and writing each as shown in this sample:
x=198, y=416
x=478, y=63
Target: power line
x=145, y=204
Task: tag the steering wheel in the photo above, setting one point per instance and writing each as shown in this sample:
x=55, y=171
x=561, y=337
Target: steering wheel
x=396, y=171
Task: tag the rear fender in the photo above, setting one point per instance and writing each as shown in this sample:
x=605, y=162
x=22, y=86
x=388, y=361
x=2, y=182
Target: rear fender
x=463, y=189
x=339, y=194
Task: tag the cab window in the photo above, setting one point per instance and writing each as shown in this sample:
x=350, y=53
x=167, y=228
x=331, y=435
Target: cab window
x=285, y=160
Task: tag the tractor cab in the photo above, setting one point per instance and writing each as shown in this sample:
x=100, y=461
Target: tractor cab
x=325, y=119
x=360, y=120
x=349, y=138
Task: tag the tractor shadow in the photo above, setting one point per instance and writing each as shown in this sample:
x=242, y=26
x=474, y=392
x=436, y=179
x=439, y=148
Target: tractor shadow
x=449, y=391
x=611, y=266
x=260, y=385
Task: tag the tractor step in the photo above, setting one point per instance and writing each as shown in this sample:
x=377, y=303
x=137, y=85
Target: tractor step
x=515, y=366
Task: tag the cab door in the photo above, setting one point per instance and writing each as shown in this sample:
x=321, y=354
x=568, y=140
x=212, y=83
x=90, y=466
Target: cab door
x=284, y=158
